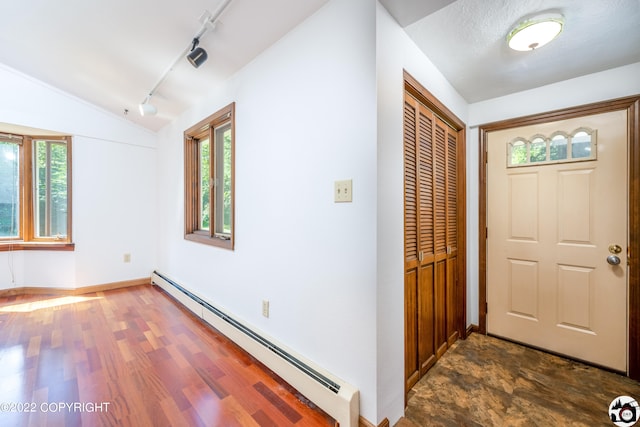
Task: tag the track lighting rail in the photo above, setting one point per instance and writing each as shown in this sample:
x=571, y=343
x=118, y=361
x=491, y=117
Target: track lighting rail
x=208, y=20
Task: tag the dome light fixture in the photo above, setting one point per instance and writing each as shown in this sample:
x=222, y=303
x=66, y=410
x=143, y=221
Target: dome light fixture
x=535, y=32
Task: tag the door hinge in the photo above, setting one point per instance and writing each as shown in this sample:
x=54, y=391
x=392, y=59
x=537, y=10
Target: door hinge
x=486, y=232
x=421, y=256
x=486, y=307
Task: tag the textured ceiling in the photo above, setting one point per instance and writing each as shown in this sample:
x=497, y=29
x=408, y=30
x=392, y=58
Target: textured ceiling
x=466, y=40
x=407, y=12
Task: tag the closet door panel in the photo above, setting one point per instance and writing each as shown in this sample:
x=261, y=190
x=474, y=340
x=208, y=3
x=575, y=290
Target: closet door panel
x=425, y=184
x=440, y=188
x=452, y=194
x=410, y=186
x=411, y=337
x=411, y=360
x=440, y=308
x=426, y=341
x=431, y=238
x=452, y=298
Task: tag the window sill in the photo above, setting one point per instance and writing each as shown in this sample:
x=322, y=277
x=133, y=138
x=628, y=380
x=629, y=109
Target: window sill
x=36, y=246
x=211, y=241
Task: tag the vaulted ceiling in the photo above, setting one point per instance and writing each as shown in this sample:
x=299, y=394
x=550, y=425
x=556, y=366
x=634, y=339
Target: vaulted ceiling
x=112, y=53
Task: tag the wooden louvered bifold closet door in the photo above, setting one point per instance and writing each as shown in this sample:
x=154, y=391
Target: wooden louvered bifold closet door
x=431, y=235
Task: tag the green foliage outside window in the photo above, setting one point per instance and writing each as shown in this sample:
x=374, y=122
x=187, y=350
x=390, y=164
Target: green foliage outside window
x=51, y=188
x=9, y=189
x=205, y=188
x=226, y=204
x=542, y=150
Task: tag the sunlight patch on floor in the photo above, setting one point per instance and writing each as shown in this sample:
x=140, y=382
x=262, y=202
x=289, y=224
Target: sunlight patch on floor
x=28, y=307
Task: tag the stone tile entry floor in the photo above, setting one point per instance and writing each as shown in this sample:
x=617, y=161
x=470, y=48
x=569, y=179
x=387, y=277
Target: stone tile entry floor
x=486, y=381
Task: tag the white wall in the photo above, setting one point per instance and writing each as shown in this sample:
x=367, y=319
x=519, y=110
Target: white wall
x=395, y=53
x=610, y=84
x=114, y=192
x=117, y=197
x=615, y=83
x=305, y=117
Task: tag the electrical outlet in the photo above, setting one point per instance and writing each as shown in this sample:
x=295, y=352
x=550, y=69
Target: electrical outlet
x=343, y=191
x=265, y=308
x=127, y=258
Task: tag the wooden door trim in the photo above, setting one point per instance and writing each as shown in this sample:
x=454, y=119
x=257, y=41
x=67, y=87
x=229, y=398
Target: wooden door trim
x=632, y=105
x=416, y=90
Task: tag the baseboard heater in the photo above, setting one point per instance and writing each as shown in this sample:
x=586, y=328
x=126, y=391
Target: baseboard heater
x=334, y=396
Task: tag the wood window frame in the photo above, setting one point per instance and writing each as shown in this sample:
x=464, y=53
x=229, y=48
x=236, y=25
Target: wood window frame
x=192, y=135
x=631, y=105
x=27, y=239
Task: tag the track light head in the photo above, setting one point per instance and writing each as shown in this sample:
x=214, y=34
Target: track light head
x=147, y=109
x=198, y=55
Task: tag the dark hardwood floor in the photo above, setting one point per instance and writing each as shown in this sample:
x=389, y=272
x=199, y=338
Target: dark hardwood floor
x=132, y=357
x=486, y=381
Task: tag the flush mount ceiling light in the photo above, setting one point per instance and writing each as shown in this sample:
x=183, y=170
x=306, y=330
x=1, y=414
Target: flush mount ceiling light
x=535, y=32
x=198, y=55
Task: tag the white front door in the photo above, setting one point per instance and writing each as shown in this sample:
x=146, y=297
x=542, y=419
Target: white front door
x=552, y=223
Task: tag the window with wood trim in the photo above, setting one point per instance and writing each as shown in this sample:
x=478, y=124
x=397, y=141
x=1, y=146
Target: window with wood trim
x=35, y=192
x=560, y=147
x=209, y=152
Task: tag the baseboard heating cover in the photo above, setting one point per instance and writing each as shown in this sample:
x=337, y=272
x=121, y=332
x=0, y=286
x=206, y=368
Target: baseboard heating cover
x=334, y=396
